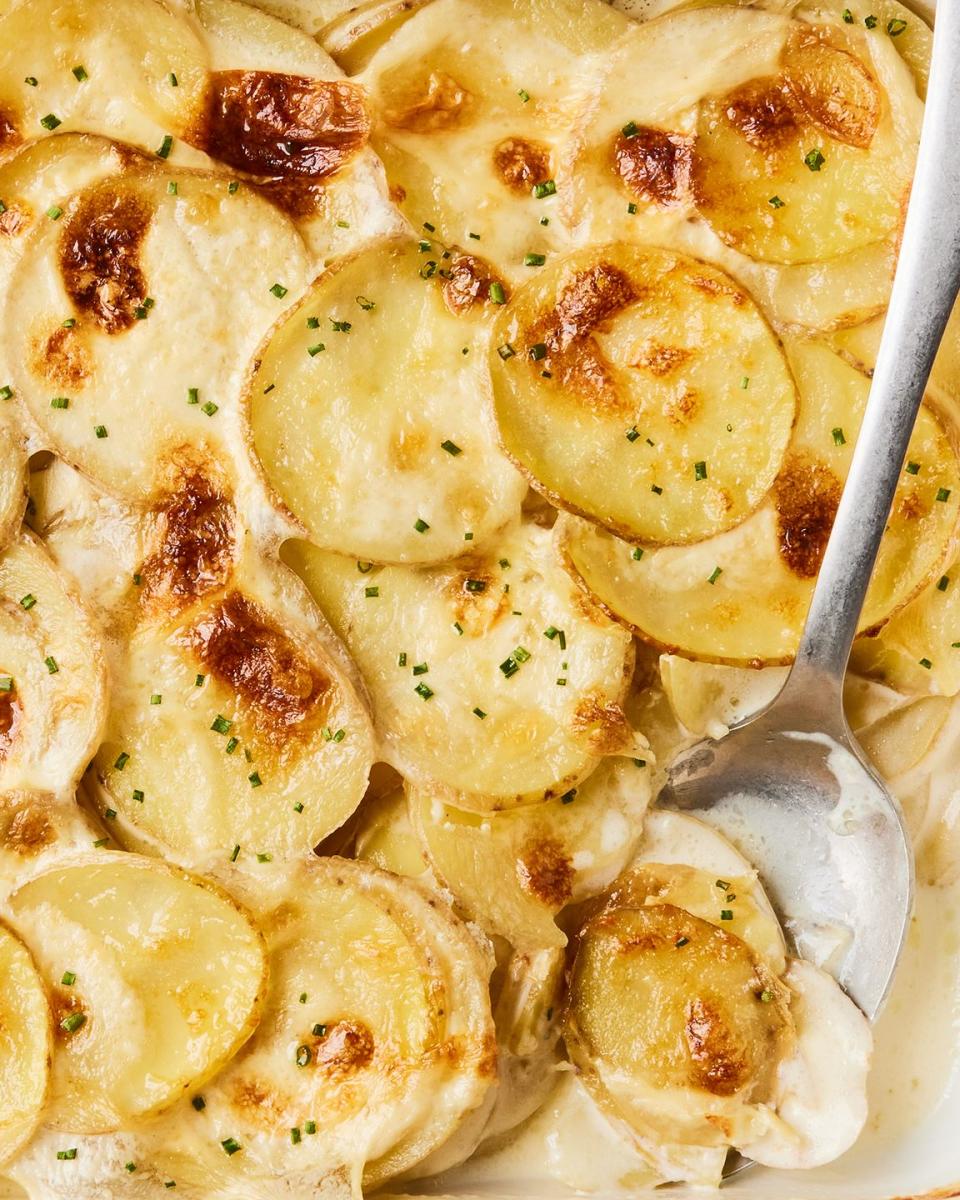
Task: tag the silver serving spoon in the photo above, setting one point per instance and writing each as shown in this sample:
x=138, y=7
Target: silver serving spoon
x=790, y=787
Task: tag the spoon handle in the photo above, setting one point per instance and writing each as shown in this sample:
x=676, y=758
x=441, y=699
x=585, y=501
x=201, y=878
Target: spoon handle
x=924, y=289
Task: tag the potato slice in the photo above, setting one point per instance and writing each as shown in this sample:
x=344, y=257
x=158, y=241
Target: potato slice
x=233, y=730
x=25, y=1046
x=13, y=477
x=473, y=97
x=638, y=364
x=708, y=699
x=36, y=827
x=386, y=836
x=377, y=1042
x=812, y=160
x=512, y=872
x=356, y=33
x=677, y=1025
x=100, y=69
x=907, y=31
x=369, y=419
x=168, y=979
x=53, y=683
x=741, y=598
x=463, y=663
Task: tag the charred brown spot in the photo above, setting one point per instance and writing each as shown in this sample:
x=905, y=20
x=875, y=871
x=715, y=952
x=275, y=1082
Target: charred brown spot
x=11, y=713
x=661, y=360
x=62, y=358
x=806, y=495
x=428, y=105
x=27, y=830
x=475, y=596
x=286, y=126
x=832, y=88
x=711, y=286
x=720, y=1064
x=910, y=506
x=63, y=1003
x=12, y=220
x=468, y=282
x=397, y=193
x=681, y=409
x=343, y=1048
x=521, y=163
x=9, y=133
x=100, y=246
x=573, y=357
x=194, y=544
x=762, y=112
x=546, y=872
x=603, y=723
x=281, y=689
x=655, y=165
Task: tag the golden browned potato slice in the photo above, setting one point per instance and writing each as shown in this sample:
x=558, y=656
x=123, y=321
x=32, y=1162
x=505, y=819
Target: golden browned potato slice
x=650, y=369
x=376, y=1044
x=37, y=826
x=512, y=872
x=677, y=1024
x=155, y=978
x=368, y=412
x=473, y=97
x=741, y=598
x=234, y=730
x=492, y=682
x=133, y=69
x=53, y=695
x=25, y=1045
x=129, y=271
x=812, y=159
x=907, y=31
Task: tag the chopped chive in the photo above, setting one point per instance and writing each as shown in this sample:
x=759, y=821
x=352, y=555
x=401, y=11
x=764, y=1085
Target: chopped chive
x=310, y=1127
x=450, y=447
x=130, y=1166
x=122, y=759
x=278, y=290
x=233, y=187
x=423, y=691
x=700, y=470
x=896, y=26
x=137, y=578
x=232, y=744
x=199, y=1103
x=723, y=885
x=255, y=781
x=100, y=431
x=156, y=698
x=51, y=664
x=717, y=572
x=298, y=807
x=537, y=351
x=428, y=270
x=814, y=159
x=221, y=724
x=569, y=797
x=319, y=1030
x=496, y=293
x=425, y=247
x=230, y=1146
x=474, y=236
x=429, y=228
x=524, y=95
x=478, y=712
x=420, y=525
x=371, y=592
x=534, y=260
x=848, y=16
x=943, y=494
x=459, y=628
x=235, y=853
x=681, y=942
x=870, y=22
x=632, y=208
x=6, y=683
x=173, y=80
x=209, y=408
x=55, y=213
x=561, y=682
x=506, y=351
x=198, y=682
x=340, y=326
x=60, y=402
x=402, y=659
x=165, y=147
x=295, y=1136
x=656, y=489
x=636, y=553
x=926, y=663
x=544, y=220
x=31, y=80
x=68, y=979
x=633, y=434
x=6, y=392
x=313, y=351
x=766, y=996
x=421, y=669
x=73, y=1022
x=137, y=795
x=775, y=202
x=913, y=468
x=264, y=857
x=726, y=914
x=101, y=842
x=303, y=1056
x=468, y=536
x=28, y=601
x=547, y=188
x=110, y=814
x=838, y=438
x=193, y=395
x=365, y=304
x=50, y=121
x=630, y=130
x=943, y=583
x=67, y=1155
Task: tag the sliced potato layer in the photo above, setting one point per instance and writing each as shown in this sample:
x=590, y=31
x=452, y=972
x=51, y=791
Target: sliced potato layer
x=741, y=598
x=492, y=680
x=512, y=872
x=473, y=97
x=13, y=477
x=232, y=730
x=155, y=979
x=52, y=676
x=116, y=339
x=368, y=413
x=644, y=390
x=812, y=160
x=25, y=1045
x=377, y=1041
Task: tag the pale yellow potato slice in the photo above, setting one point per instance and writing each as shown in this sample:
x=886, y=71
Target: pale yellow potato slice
x=168, y=980
x=53, y=685
x=25, y=1046
x=473, y=97
x=651, y=369
x=386, y=836
x=813, y=159
x=377, y=1032
x=512, y=872
x=357, y=33
x=741, y=598
x=906, y=29
x=369, y=419
x=35, y=828
x=137, y=283
x=463, y=660
x=708, y=699
x=234, y=730
x=13, y=475
x=100, y=68
x=678, y=1027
